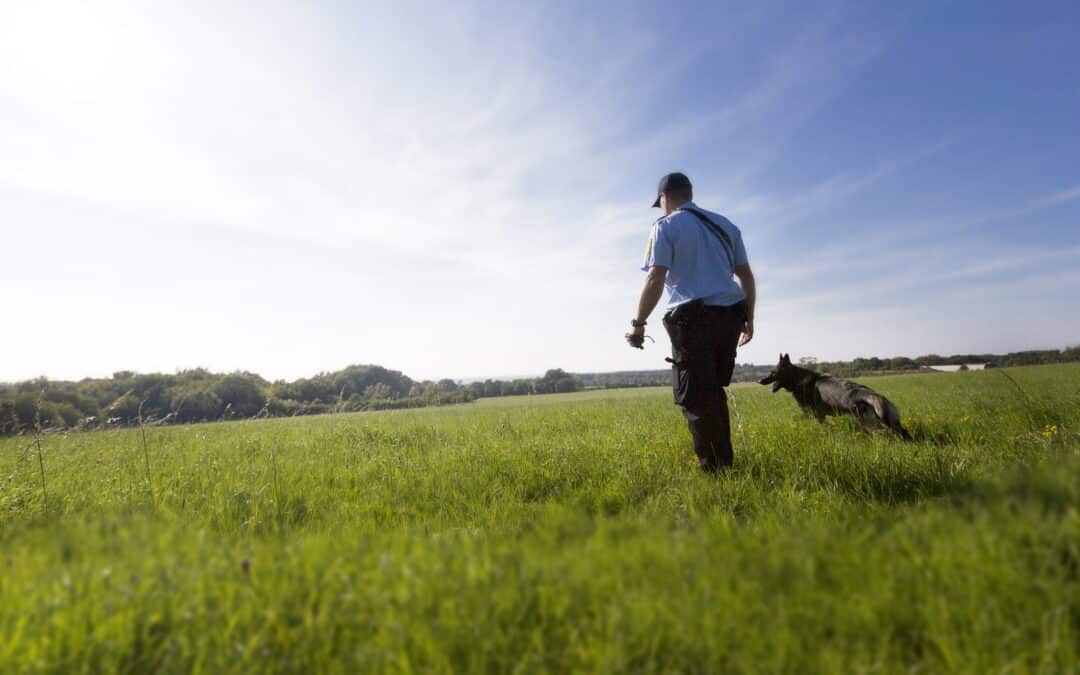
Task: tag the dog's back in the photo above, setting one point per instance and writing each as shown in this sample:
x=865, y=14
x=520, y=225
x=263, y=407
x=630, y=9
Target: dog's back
x=871, y=408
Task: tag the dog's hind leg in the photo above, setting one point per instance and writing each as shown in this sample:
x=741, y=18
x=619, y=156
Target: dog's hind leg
x=890, y=417
x=866, y=416
x=894, y=424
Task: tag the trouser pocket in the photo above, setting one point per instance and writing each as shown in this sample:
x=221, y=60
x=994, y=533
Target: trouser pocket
x=681, y=379
x=693, y=359
x=680, y=376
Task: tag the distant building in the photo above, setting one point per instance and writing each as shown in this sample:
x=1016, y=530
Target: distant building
x=950, y=368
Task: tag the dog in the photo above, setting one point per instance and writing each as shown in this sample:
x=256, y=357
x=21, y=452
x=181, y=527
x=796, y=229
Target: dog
x=820, y=395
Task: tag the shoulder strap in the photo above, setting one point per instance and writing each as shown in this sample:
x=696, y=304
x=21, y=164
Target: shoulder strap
x=717, y=231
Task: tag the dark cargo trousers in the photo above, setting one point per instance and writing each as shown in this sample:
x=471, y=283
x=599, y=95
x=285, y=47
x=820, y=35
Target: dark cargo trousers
x=703, y=343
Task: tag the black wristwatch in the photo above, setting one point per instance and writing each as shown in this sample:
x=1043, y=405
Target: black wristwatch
x=634, y=323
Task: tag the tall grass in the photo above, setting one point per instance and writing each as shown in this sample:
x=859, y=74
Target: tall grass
x=560, y=533
x=146, y=451
x=40, y=456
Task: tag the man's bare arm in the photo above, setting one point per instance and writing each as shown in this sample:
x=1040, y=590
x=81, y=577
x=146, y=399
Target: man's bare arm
x=745, y=276
x=651, y=291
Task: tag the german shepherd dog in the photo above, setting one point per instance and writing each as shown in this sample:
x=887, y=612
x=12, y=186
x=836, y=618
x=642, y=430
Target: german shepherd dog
x=821, y=395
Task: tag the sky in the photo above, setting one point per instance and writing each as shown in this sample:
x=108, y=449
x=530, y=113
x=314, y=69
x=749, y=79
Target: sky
x=463, y=189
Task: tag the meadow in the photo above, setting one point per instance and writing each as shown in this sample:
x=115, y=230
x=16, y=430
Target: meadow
x=559, y=533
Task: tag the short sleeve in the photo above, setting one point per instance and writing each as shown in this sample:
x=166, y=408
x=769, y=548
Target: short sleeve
x=659, y=251
x=740, y=249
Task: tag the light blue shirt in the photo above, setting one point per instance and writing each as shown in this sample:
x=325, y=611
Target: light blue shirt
x=699, y=264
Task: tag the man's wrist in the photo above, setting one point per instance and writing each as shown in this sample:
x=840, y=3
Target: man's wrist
x=638, y=323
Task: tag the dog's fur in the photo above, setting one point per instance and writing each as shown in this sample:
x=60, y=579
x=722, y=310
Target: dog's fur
x=821, y=395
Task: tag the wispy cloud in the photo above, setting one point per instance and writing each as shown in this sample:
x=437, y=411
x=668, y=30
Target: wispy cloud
x=381, y=168
x=1057, y=198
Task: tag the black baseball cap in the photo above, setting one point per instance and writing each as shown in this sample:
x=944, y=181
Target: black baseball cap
x=672, y=181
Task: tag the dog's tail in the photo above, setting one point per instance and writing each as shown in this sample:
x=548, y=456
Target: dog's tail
x=889, y=414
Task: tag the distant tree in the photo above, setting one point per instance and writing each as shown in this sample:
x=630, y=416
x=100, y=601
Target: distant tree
x=68, y=415
x=124, y=409
x=9, y=421
x=241, y=393
x=447, y=384
x=557, y=380
x=197, y=403
x=378, y=392
x=901, y=363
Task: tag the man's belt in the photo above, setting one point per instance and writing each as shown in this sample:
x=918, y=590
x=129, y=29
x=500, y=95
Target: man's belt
x=698, y=307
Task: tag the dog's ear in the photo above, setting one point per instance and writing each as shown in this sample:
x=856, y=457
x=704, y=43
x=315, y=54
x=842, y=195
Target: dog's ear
x=786, y=358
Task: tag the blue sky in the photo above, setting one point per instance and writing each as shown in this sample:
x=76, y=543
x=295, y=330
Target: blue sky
x=462, y=189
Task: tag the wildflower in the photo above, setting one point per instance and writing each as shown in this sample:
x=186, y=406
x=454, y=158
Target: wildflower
x=1049, y=430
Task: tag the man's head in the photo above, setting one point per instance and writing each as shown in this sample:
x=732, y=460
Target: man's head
x=673, y=191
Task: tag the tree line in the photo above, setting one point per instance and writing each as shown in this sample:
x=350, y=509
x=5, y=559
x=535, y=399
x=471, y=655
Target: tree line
x=748, y=372
x=198, y=395
x=899, y=364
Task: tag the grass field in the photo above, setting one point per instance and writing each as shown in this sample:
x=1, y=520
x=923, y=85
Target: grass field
x=558, y=534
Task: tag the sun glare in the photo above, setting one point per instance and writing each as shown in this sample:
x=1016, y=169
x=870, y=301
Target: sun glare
x=72, y=51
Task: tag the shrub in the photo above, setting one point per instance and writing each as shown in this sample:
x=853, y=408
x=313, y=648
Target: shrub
x=68, y=415
x=242, y=393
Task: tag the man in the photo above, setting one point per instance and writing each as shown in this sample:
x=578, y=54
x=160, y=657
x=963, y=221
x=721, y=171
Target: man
x=699, y=256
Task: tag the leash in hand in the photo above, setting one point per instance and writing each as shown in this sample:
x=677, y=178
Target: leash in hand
x=638, y=341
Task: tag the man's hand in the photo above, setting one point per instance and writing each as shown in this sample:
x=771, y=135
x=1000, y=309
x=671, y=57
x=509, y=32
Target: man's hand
x=651, y=291
x=745, y=276
x=747, y=332
x=636, y=337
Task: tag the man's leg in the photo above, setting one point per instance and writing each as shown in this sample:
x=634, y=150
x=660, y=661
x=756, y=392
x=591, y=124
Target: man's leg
x=709, y=421
x=696, y=347
x=711, y=431
x=728, y=328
